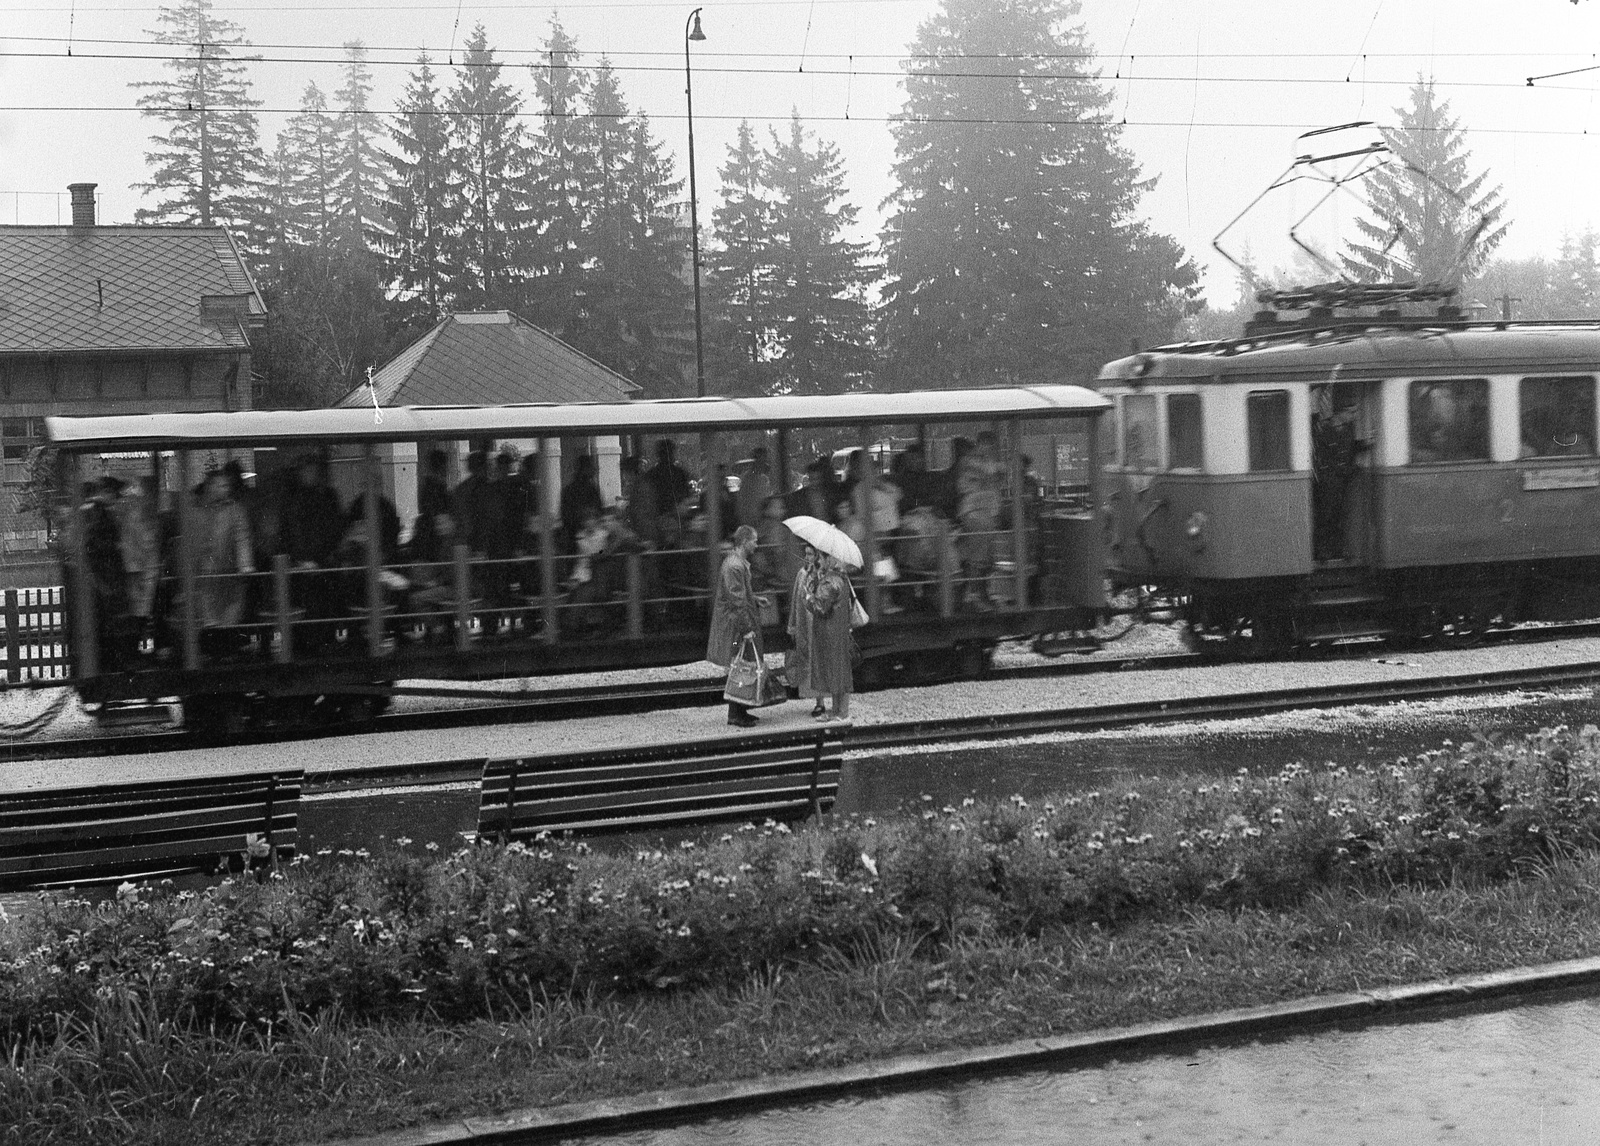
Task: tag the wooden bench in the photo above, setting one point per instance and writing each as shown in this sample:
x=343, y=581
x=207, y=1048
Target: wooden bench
x=114, y=832
x=781, y=776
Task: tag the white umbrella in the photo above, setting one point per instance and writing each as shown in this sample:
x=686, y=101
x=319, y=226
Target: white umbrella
x=829, y=539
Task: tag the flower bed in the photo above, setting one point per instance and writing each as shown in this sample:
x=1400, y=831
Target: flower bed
x=412, y=936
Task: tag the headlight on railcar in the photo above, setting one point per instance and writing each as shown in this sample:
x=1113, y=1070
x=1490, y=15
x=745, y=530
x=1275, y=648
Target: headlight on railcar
x=1194, y=529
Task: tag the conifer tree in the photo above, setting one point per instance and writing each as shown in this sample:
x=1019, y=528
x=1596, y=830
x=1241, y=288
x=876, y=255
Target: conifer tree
x=819, y=314
x=1013, y=250
x=420, y=204
x=489, y=169
x=559, y=184
x=597, y=319
x=306, y=165
x=207, y=167
x=1432, y=221
x=358, y=201
x=739, y=273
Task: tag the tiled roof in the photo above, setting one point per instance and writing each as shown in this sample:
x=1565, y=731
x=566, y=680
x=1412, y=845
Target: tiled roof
x=123, y=288
x=490, y=358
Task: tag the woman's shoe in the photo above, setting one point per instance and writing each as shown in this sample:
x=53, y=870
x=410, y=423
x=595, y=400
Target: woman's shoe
x=744, y=721
x=819, y=713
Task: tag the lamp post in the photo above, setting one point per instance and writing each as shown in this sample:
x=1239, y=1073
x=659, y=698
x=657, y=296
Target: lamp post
x=691, y=31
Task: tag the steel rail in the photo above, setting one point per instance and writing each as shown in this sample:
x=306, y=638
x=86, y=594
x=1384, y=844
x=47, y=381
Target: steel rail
x=602, y=701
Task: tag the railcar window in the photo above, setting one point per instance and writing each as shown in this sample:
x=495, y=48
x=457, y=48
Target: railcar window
x=1558, y=417
x=18, y=436
x=1450, y=420
x=1141, y=444
x=1183, y=432
x=1267, y=427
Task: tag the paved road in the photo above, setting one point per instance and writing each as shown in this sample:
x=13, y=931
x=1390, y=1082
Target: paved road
x=1525, y=1076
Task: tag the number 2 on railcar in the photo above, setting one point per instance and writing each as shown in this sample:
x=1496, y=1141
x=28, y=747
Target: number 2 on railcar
x=526, y=540
x=1347, y=475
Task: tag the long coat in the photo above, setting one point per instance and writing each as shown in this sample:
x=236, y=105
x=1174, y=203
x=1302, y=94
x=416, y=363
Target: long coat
x=829, y=600
x=797, y=661
x=733, y=613
x=224, y=549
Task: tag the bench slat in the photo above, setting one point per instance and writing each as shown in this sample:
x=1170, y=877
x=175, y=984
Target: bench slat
x=107, y=833
x=665, y=817
x=199, y=790
x=730, y=772
x=115, y=859
x=498, y=774
x=728, y=790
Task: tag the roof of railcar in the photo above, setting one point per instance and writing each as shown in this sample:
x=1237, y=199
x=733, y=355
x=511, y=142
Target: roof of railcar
x=671, y=416
x=1371, y=351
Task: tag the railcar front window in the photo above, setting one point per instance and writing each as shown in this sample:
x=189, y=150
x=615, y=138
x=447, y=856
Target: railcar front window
x=1267, y=427
x=1141, y=442
x=1183, y=432
x=1449, y=421
x=1558, y=417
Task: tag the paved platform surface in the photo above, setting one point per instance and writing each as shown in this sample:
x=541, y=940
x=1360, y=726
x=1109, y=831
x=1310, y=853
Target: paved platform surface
x=400, y=750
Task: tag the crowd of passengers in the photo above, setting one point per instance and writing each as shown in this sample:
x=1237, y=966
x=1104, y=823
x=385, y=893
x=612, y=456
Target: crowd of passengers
x=923, y=521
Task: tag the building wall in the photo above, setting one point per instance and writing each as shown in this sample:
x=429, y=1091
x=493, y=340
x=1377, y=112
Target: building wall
x=32, y=387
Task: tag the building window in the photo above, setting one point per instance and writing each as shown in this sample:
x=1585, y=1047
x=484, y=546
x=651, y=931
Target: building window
x=1266, y=414
x=1449, y=420
x=18, y=437
x=1141, y=443
x=1183, y=432
x=1557, y=417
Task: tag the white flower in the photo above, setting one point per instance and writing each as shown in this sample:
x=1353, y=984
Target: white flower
x=869, y=863
x=128, y=892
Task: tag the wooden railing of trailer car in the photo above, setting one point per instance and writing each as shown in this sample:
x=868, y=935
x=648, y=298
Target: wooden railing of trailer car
x=469, y=616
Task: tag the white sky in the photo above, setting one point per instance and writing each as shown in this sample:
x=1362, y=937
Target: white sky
x=1219, y=90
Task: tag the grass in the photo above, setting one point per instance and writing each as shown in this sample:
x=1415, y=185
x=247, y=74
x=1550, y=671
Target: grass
x=153, y=1019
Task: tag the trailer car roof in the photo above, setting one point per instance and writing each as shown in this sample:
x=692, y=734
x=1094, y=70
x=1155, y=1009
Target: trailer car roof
x=1497, y=348
x=670, y=416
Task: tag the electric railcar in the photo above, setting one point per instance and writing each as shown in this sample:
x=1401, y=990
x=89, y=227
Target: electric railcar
x=336, y=637
x=1418, y=478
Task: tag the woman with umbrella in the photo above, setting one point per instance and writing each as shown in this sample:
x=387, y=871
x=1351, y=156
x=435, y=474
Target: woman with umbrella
x=829, y=601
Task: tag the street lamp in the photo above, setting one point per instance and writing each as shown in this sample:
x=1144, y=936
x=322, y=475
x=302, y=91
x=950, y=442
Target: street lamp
x=691, y=31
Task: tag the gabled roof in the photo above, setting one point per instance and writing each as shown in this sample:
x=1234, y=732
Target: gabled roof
x=489, y=358
x=123, y=289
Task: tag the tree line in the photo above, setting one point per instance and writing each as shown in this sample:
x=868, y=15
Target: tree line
x=1013, y=250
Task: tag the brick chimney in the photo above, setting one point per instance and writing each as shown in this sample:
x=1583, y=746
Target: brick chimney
x=82, y=203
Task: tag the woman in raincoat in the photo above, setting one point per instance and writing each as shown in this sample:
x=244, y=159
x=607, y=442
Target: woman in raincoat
x=735, y=612
x=830, y=601
x=797, y=661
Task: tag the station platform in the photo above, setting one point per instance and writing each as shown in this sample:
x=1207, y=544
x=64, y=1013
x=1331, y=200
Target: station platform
x=327, y=759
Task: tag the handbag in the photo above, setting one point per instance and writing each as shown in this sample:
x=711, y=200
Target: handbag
x=858, y=614
x=749, y=683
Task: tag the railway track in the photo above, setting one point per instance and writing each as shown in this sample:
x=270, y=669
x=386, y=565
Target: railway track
x=601, y=701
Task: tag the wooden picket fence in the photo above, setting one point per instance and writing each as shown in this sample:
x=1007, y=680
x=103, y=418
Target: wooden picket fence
x=35, y=636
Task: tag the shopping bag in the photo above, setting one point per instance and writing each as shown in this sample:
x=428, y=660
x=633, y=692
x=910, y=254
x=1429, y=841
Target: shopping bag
x=745, y=673
x=772, y=690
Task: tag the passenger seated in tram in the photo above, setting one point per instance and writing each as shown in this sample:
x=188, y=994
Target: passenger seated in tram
x=580, y=501
x=431, y=534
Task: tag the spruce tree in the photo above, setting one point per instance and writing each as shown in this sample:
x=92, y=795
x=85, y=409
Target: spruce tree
x=207, y=167
x=658, y=299
x=560, y=181
x=420, y=205
x=739, y=273
x=819, y=314
x=358, y=200
x=1433, y=220
x=1013, y=249
x=489, y=163
x=306, y=165
x=597, y=319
